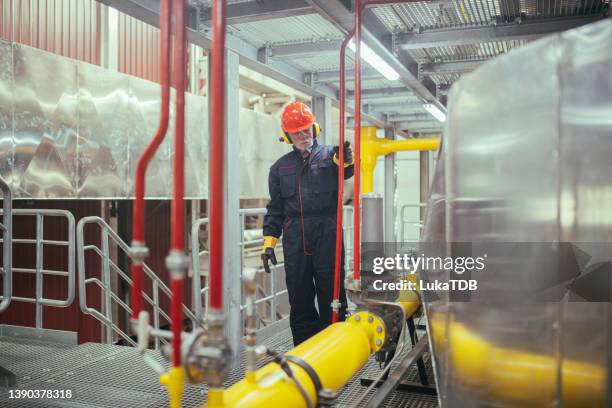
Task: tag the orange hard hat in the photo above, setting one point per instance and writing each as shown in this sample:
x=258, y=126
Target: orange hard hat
x=297, y=117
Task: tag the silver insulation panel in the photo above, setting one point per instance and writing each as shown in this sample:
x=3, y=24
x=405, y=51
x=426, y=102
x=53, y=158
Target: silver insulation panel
x=528, y=161
x=69, y=129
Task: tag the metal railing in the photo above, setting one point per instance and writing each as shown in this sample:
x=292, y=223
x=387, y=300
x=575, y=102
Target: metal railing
x=269, y=293
x=106, y=283
x=7, y=245
x=247, y=248
x=347, y=233
x=39, y=271
x=417, y=224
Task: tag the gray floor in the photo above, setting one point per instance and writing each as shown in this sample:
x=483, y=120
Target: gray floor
x=115, y=376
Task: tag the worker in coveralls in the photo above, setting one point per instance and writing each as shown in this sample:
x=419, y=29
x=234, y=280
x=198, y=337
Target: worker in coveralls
x=303, y=202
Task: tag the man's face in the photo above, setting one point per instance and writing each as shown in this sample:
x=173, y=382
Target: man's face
x=302, y=140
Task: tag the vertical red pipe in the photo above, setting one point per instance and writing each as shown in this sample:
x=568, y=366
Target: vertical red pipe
x=177, y=228
x=340, y=207
x=357, y=170
x=217, y=154
x=138, y=226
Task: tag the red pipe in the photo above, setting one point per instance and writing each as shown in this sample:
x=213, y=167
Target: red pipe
x=177, y=210
x=357, y=170
x=138, y=222
x=359, y=6
x=340, y=207
x=217, y=154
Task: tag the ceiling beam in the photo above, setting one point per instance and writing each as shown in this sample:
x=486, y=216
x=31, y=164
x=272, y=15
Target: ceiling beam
x=305, y=49
x=374, y=35
x=334, y=76
x=248, y=12
x=527, y=30
x=426, y=126
x=375, y=93
x=411, y=117
x=389, y=108
x=450, y=67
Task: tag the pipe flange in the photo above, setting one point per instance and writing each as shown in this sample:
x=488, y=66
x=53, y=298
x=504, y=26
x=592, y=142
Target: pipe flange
x=373, y=325
x=177, y=263
x=214, y=319
x=138, y=252
x=208, y=359
x=352, y=285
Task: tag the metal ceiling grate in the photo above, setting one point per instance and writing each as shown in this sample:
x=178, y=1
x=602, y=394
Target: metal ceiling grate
x=479, y=51
x=457, y=13
x=445, y=79
x=321, y=62
x=287, y=30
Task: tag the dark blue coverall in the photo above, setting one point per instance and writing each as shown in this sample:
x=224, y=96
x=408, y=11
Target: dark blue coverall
x=303, y=204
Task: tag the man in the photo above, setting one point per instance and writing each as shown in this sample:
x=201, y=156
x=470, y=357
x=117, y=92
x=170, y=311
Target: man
x=303, y=201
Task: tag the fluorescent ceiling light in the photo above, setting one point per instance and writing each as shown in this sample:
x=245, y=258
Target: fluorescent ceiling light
x=375, y=61
x=435, y=111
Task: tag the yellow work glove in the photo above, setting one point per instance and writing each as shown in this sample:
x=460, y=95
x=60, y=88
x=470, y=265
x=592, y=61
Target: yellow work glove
x=267, y=252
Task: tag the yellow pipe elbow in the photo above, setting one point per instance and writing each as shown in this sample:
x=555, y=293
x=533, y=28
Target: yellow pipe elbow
x=387, y=146
x=372, y=147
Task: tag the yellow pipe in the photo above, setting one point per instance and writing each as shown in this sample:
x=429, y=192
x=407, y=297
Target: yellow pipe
x=513, y=377
x=336, y=354
x=372, y=147
x=174, y=380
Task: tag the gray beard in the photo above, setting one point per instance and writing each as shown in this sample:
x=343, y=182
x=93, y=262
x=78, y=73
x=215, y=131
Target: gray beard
x=306, y=151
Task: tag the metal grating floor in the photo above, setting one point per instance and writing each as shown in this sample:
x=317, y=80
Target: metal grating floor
x=102, y=375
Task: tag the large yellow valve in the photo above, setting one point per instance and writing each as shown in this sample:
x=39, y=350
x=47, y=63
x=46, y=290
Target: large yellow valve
x=336, y=354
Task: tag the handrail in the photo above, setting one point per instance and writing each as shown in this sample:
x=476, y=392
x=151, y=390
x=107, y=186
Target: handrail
x=403, y=222
x=109, y=266
x=7, y=247
x=39, y=271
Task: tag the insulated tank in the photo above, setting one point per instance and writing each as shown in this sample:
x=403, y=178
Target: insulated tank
x=526, y=163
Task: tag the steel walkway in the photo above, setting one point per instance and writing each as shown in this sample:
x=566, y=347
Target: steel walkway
x=102, y=375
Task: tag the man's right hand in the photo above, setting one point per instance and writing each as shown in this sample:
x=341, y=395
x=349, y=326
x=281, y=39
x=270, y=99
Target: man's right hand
x=267, y=253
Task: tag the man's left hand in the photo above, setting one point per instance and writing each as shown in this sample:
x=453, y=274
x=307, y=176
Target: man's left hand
x=348, y=154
